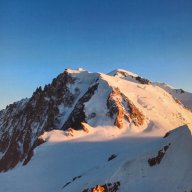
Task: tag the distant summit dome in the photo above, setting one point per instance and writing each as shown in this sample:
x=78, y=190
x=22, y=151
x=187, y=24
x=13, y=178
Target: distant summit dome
x=81, y=69
x=122, y=73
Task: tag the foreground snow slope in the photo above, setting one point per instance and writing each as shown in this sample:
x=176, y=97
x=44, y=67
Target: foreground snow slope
x=81, y=162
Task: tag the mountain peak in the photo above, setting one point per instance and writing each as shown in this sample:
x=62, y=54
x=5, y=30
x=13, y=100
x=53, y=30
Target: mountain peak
x=75, y=97
x=122, y=73
x=75, y=70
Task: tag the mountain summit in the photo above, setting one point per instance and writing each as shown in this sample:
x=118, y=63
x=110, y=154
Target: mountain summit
x=114, y=108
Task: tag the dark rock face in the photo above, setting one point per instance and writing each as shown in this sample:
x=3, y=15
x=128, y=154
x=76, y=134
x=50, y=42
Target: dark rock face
x=69, y=182
x=113, y=156
x=180, y=91
x=109, y=187
x=157, y=159
x=23, y=122
x=167, y=134
x=142, y=80
x=121, y=107
x=29, y=155
x=122, y=73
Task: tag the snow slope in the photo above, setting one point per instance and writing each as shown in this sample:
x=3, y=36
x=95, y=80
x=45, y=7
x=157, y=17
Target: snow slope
x=82, y=162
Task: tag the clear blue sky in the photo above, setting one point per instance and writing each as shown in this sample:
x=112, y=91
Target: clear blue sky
x=40, y=38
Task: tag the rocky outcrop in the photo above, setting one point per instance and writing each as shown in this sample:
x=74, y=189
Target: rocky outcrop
x=109, y=187
x=70, y=182
x=180, y=91
x=123, y=109
x=121, y=73
x=113, y=156
x=142, y=80
x=157, y=159
x=128, y=75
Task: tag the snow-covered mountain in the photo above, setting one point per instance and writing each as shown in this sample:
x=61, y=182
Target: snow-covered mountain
x=97, y=132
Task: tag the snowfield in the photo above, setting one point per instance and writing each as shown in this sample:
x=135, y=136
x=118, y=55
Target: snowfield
x=63, y=158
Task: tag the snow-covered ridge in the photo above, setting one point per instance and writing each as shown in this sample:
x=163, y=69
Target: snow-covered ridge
x=183, y=96
x=122, y=73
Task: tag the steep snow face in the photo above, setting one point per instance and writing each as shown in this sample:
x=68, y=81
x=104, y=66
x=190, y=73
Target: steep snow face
x=96, y=109
x=183, y=96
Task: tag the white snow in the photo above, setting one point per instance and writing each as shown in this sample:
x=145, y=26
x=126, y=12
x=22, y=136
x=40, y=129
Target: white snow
x=61, y=159
x=97, y=105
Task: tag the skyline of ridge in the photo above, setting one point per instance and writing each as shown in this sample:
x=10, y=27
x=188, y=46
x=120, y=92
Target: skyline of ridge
x=81, y=69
